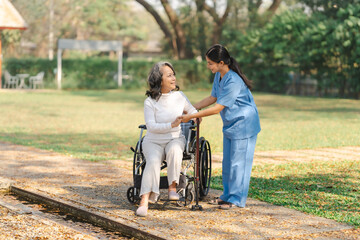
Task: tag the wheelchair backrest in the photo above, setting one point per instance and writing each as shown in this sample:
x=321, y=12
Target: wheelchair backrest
x=188, y=132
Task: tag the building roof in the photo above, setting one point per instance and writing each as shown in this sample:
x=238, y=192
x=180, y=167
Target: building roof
x=10, y=17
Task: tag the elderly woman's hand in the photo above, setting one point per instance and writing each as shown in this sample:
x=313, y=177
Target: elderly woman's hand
x=176, y=122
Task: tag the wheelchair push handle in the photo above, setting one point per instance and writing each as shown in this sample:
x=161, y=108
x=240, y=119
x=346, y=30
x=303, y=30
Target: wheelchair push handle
x=197, y=168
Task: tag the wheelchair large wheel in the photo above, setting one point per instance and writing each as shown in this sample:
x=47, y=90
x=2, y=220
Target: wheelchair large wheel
x=138, y=168
x=205, y=167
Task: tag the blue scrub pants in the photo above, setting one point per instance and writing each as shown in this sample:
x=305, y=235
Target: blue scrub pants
x=236, y=169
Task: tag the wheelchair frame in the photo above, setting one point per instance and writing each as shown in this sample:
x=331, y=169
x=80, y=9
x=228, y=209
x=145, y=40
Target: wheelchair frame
x=187, y=187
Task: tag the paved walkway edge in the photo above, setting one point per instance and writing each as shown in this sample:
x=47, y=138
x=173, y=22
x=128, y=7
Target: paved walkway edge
x=93, y=217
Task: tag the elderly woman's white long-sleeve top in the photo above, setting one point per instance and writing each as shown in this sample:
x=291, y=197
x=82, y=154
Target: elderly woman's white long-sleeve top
x=160, y=114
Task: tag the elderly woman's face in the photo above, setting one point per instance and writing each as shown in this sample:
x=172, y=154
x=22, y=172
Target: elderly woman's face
x=168, y=82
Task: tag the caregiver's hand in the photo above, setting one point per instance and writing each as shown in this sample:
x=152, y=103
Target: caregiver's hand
x=176, y=122
x=186, y=118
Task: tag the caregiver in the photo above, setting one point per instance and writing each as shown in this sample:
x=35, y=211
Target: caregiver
x=235, y=103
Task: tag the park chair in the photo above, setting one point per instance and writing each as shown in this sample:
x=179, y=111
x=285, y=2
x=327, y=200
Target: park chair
x=10, y=81
x=37, y=80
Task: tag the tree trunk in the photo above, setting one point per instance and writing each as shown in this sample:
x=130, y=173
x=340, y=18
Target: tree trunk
x=168, y=35
x=179, y=31
x=217, y=31
x=218, y=21
x=274, y=6
x=254, y=18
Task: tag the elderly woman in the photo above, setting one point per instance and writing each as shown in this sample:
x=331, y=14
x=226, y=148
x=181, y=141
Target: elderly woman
x=164, y=138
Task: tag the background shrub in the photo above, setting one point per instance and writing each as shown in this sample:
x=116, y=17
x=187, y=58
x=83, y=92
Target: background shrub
x=100, y=73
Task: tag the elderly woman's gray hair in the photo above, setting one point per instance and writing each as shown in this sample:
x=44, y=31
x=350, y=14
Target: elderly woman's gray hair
x=155, y=79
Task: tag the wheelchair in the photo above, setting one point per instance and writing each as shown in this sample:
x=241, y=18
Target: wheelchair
x=190, y=185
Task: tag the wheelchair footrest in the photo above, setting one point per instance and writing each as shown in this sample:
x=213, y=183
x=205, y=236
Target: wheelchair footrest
x=163, y=182
x=165, y=185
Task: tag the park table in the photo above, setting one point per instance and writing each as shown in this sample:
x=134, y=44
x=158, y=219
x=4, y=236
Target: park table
x=22, y=77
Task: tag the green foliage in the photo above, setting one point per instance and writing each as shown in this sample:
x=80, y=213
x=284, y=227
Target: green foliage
x=327, y=49
x=329, y=8
x=82, y=20
x=268, y=55
x=332, y=48
x=323, y=45
x=9, y=37
x=100, y=73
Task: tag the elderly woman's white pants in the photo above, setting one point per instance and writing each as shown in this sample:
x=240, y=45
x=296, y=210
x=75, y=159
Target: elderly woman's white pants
x=155, y=152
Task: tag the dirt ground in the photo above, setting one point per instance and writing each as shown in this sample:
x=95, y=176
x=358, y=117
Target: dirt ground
x=103, y=186
x=19, y=221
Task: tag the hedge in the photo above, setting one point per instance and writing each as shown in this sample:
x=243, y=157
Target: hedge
x=100, y=73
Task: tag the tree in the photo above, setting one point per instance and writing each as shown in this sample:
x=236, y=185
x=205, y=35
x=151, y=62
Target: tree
x=259, y=20
x=9, y=38
x=325, y=48
x=218, y=20
x=177, y=42
x=206, y=12
x=88, y=19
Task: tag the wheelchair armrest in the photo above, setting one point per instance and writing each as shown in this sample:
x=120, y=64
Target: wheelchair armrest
x=143, y=126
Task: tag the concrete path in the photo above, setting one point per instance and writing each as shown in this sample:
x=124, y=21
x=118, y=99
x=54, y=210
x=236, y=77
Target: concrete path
x=101, y=187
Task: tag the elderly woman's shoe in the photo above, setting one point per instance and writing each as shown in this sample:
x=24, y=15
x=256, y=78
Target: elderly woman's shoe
x=141, y=211
x=153, y=197
x=173, y=196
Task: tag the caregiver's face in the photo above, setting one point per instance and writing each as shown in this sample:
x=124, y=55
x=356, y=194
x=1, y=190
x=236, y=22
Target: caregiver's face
x=212, y=66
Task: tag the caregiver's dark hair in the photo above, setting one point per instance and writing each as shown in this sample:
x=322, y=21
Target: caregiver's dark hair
x=155, y=78
x=218, y=53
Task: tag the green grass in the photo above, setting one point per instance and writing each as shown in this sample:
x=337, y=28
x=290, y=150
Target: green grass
x=88, y=125
x=101, y=125
x=325, y=189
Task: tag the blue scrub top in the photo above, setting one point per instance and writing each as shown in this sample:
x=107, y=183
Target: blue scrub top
x=240, y=115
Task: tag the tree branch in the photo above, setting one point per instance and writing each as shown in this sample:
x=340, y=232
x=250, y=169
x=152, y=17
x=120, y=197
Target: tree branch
x=211, y=11
x=179, y=32
x=258, y=3
x=274, y=6
x=226, y=13
x=160, y=22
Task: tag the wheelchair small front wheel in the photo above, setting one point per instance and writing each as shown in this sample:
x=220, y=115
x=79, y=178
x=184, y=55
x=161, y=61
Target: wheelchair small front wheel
x=187, y=195
x=132, y=196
